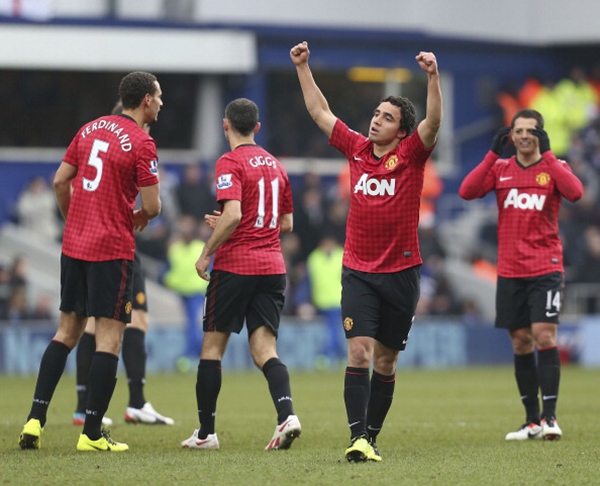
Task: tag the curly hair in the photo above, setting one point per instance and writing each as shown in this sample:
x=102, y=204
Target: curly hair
x=243, y=115
x=408, y=114
x=134, y=87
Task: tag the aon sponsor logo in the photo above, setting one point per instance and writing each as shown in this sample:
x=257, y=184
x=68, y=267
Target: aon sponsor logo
x=524, y=201
x=375, y=187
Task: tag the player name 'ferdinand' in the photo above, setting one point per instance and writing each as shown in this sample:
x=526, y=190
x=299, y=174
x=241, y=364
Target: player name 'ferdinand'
x=112, y=127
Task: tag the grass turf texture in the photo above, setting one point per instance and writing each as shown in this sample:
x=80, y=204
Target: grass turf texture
x=446, y=427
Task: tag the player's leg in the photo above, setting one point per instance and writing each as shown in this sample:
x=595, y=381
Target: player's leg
x=70, y=328
x=85, y=351
x=208, y=387
x=399, y=293
x=360, y=314
x=110, y=294
x=546, y=302
x=51, y=369
x=224, y=316
x=383, y=382
x=512, y=314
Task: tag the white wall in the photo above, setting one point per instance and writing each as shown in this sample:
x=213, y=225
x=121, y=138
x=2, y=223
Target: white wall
x=537, y=22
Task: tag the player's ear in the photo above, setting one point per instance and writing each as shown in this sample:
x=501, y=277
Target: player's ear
x=401, y=134
x=257, y=127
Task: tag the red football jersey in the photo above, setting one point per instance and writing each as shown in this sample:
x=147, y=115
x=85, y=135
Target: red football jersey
x=528, y=205
x=114, y=157
x=381, y=231
x=254, y=177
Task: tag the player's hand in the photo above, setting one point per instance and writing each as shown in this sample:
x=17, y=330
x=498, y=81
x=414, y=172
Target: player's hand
x=300, y=53
x=500, y=140
x=428, y=62
x=543, y=139
x=139, y=220
x=202, y=266
x=212, y=219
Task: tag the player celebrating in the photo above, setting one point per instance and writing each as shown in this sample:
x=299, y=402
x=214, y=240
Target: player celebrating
x=529, y=189
x=110, y=161
x=380, y=276
x=248, y=279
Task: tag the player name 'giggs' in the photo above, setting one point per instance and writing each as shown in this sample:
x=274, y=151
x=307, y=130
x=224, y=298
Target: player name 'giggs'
x=260, y=160
x=112, y=127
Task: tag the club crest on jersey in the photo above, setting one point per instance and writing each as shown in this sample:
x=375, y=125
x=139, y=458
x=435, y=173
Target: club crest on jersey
x=348, y=323
x=154, y=166
x=224, y=181
x=542, y=178
x=391, y=163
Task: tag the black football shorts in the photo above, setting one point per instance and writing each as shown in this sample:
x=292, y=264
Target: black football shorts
x=232, y=298
x=380, y=305
x=96, y=289
x=523, y=301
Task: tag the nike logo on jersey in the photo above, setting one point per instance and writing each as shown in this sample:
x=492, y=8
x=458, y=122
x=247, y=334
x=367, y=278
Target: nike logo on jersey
x=551, y=314
x=358, y=159
x=502, y=179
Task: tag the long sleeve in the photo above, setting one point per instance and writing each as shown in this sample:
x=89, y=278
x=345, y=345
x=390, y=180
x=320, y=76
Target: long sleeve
x=473, y=186
x=566, y=182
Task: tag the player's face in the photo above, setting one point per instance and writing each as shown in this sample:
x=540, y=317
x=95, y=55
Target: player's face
x=385, y=124
x=525, y=141
x=155, y=104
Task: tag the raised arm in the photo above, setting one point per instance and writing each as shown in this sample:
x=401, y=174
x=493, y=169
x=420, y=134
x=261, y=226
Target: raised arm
x=429, y=127
x=317, y=105
x=567, y=183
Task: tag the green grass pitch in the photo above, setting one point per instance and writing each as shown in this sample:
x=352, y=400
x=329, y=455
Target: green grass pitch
x=446, y=427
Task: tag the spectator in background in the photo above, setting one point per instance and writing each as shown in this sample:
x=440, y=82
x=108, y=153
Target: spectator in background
x=295, y=270
x=37, y=210
x=550, y=104
x=18, y=272
x=195, y=194
x=433, y=186
x=42, y=310
x=578, y=99
x=324, y=276
x=181, y=277
x=509, y=103
x=529, y=190
x=5, y=291
x=528, y=93
x=18, y=310
x=587, y=267
x=309, y=219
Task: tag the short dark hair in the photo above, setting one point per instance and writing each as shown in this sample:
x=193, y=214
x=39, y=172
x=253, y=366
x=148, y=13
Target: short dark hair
x=242, y=113
x=134, y=87
x=528, y=113
x=408, y=114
